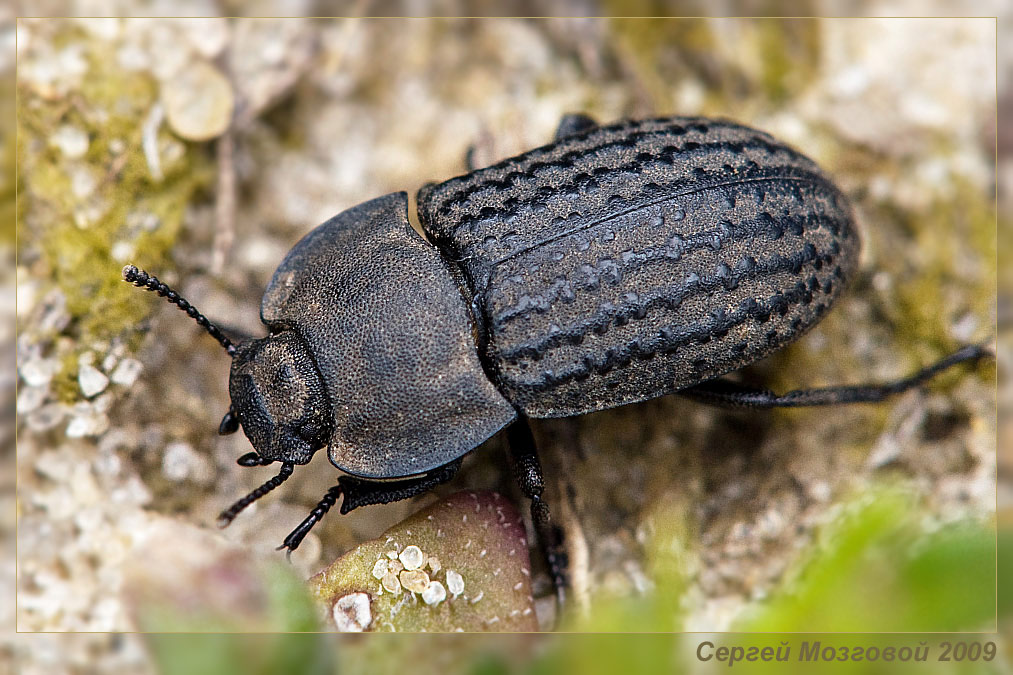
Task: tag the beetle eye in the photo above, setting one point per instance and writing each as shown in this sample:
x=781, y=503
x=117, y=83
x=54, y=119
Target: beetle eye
x=230, y=424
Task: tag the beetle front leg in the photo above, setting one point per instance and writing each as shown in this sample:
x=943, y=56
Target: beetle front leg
x=362, y=492
x=528, y=473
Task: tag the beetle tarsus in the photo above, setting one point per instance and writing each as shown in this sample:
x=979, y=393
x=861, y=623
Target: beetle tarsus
x=296, y=536
x=729, y=394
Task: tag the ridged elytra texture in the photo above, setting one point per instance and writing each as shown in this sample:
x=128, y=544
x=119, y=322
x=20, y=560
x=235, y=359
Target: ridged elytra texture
x=392, y=338
x=632, y=260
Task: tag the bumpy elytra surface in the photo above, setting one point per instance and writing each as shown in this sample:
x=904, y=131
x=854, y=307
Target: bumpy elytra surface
x=632, y=260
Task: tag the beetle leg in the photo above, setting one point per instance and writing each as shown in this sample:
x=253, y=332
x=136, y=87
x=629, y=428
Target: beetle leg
x=729, y=394
x=296, y=536
x=528, y=473
x=574, y=123
x=361, y=492
x=469, y=159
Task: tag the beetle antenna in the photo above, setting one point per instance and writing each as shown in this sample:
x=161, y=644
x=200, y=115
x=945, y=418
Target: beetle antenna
x=142, y=279
x=229, y=514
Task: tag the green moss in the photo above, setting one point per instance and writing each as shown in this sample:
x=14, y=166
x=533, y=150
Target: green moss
x=76, y=235
x=788, y=52
x=8, y=155
x=662, y=51
x=773, y=59
x=64, y=385
x=955, y=240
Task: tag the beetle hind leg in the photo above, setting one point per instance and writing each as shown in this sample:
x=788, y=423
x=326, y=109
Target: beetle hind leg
x=528, y=473
x=729, y=394
x=361, y=492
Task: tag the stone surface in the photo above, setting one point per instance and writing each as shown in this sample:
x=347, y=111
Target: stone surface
x=198, y=101
x=92, y=381
x=478, y=533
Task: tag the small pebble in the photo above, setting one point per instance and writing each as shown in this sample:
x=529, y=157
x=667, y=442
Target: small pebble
x=415, y=581
x=391, y=583
x=109, y=362
x=434, y=593
x=82, y=182
x=455, y=583
x=55, y=316
x=72, y=141
x=352, y=613
x=102, y=403
x=38, y=372
x=180, y=461
x=411, y=557
x=198, y=102
x=207, y=35
x=46, y=417
x=92, y=380
x=31, y=398
x=380, y=569
x=92, y=424
x=126, y=372
x=122, y=251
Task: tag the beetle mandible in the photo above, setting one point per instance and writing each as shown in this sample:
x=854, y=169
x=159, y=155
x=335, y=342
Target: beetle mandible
x=617, y=264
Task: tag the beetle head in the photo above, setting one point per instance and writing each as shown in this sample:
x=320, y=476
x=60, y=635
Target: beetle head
x=279, y=399
x=277, y=395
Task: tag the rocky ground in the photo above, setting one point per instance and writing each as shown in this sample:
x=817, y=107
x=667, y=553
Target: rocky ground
x=203, y=149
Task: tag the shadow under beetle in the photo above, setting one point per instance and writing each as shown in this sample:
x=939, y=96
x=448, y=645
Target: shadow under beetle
x=614, y=265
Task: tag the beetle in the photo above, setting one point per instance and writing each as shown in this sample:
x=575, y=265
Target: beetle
x=616, y=264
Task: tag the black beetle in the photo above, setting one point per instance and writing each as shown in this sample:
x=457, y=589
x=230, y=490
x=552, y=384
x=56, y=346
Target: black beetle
x=614, y=265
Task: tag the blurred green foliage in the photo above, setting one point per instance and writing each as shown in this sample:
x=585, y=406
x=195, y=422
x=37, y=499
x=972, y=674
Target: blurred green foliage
x=251, y=598
x=228, y=654
x=876, y=567
x=669, y=556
